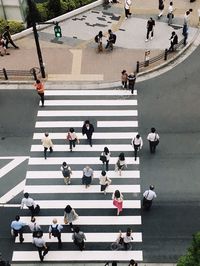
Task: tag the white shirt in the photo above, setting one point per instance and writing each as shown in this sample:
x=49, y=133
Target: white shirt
x=34, y=226
x=28, y=202
x=170, y=9
x=39, y=242
x=107, y=155
x=127, y=4
x=153, y=136
x=186, y=19
x=149, y=194
x=46, y=142
x=137, y=141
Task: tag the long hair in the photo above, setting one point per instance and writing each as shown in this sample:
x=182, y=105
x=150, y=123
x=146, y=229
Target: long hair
x=106, y=150
x=117, y=194
x=68, y=209
x=121, y=156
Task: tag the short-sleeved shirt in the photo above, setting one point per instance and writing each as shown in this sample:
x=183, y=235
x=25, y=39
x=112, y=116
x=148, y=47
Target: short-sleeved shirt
x=39, y=242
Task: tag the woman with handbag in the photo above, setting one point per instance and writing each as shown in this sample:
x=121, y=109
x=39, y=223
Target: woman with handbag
x=105, y=157
x=69, y=216
x=121, y=163
x=72, y=137
x=104, y=181
x=87, y=176
x=153, y=139
x=117, y=198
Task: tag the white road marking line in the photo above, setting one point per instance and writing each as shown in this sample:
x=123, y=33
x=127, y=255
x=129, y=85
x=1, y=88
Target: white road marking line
x=91, y=237
x=90, y=102
x=115, y=92
x=76, y=160
x=78, y=174
x=89, y=255
x=87, y=113
x=13, y=192
x=102, y=135
x=16, y=160
x=36, y=189
x=117, y=123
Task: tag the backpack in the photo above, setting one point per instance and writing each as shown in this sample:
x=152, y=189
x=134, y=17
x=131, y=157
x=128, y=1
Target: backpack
x=66, y=172
x=114, y=37
x=54, y=231
x=96, y=38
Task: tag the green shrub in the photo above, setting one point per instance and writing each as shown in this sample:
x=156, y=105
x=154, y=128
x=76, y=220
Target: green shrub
x=15, y=26
x=42, y=9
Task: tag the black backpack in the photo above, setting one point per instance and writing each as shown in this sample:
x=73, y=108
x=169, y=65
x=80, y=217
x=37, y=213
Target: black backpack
x=114, y=37
x=66, y=172
x=96, y=38
x=54, y=231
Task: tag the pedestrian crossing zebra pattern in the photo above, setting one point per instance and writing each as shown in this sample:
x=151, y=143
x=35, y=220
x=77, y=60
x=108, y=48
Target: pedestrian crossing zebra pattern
x=114, y=116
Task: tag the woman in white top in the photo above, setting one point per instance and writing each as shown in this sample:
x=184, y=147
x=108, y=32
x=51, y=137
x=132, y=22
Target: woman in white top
x=105, y=157
x=104, y=181
x=117, y=198
x=137, y=144
x=153, y=139
x=121, y=163
x=170, y=14
x=126, y=238
x=72, y=137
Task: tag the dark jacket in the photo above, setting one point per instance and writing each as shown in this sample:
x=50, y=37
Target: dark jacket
x=86, y=131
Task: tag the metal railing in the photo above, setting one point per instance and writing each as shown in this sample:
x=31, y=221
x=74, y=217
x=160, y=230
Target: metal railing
x=7, y=74
x=161, y=56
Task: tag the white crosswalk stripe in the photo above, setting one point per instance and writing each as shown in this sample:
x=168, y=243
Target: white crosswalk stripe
x=114, y=113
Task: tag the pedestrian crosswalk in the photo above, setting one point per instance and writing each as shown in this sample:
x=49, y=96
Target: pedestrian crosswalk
x=114, y=116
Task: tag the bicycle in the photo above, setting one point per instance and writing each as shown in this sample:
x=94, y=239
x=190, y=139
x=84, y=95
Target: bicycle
x=120, y=246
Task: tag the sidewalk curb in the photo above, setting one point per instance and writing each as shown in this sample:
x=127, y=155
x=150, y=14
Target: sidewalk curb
x=93, y=264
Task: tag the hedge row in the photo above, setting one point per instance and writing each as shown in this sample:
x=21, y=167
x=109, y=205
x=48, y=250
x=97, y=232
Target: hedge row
x=54, y=8
x=15, y=26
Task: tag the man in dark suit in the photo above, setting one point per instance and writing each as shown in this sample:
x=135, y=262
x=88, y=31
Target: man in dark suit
x=174, y=41
x=88, y=129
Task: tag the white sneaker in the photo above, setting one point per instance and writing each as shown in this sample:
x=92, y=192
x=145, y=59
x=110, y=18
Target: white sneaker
x=146, y=40
x=126, y=18
x=151, y=38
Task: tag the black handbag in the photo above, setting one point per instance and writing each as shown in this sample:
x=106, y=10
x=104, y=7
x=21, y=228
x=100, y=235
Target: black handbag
x=102, y=158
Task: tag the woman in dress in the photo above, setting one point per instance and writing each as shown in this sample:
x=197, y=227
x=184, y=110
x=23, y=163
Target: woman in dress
x=121, y=163
x=117, y=198
x=72, y=137
x=104, y=181
x=69, y=216
x=87, y=176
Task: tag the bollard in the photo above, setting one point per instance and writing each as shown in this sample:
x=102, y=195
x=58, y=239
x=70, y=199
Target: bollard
x=137, y=67
x=34, y=74
x=5, y=74
x=165, y=56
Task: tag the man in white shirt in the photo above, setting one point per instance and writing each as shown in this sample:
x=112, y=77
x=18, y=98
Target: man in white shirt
x=29, y=203
x=148, y=197
x=127, y=6
x=40, y=245
x=55, y=230
x=137, y=144
x=153, y=139
x=33, y=226
x=47, y=144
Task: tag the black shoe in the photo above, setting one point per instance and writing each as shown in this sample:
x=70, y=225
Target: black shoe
x=42, y=259
x=21, y=240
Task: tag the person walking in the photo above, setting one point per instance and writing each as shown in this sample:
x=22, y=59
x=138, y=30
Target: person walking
x=131, y=81
x=34, y=226
x=88, y=129
x=127, y=8
x=105, y=157
x=153, y=139
x=40, y=90
x=174, y=41
x=186, y=20
x=8, y=38
x=17, y=228
x=137, y=144
x=124, y=79
x=111, y=40
x=72, y=137
x=161, y=8
x=99, y=39
x=55, y=230
x=67, y=172
x=3, y=49
x=170, y=14
x=87, y=176
x=69, y=216
x=126, y=238
x=148, y=197
x=121, y=163
x=132, y=263
x=117, y=198
x=29, y=203
x=150, y=28
x=41, y=245
x=47, y=144
x=104, y=181
x=79, y=238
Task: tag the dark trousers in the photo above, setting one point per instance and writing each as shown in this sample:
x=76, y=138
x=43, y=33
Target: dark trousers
x=79, y=244
x=45, y=151
x=32, y=209
x=11, y=42
x=146, y=203
x=89, y=137
x=20, y=233
x=148, y=31
x=45, y=251
x=109, y=45
x=152, y=146
x=124, y=83
x=131, y=86
x=127, y=12
x=72, y=143
x=106, y=163
x=42, y=98
x=136, y=148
